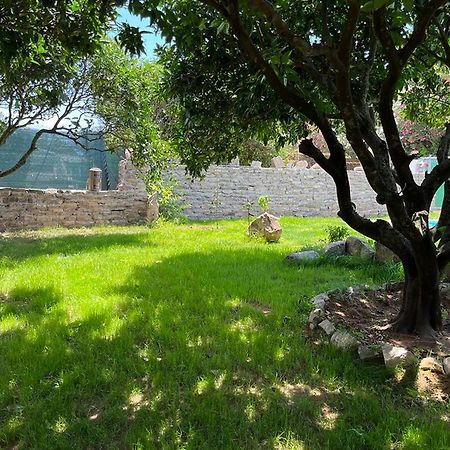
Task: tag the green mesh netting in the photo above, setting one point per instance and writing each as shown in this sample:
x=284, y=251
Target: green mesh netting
x=57, y=162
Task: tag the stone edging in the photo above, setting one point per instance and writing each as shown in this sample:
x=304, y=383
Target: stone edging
x=393, y=356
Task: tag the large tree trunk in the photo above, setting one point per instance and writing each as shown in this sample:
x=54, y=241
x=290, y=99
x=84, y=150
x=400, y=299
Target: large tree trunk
x=421, y=309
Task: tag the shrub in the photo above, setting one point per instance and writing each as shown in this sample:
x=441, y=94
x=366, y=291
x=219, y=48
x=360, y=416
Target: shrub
x=336, y=233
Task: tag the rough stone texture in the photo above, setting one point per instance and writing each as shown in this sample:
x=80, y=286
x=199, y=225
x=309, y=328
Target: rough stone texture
x=315, y=316
x=319, y=301
x=383, y=254
x=344, y=340
x=356, y=246
x=335, y=248
x=367, y=353
x=266, y=226
x=446, y=366
x=327, y=326
x=397, y=356
x=295, y=191
x=277, y=162
x=36, y=208
x=301, y=165
x=298, y=257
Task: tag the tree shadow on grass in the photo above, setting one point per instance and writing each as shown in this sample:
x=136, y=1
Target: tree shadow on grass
x=21, y=248
x=187, y=361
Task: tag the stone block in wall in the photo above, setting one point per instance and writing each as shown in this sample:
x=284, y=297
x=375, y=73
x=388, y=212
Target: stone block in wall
x=277, y=162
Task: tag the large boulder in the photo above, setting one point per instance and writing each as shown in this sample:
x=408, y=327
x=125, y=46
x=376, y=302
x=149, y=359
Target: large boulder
x=266, y=226
x=336, y=248
x=383, y=254
x=357, y=247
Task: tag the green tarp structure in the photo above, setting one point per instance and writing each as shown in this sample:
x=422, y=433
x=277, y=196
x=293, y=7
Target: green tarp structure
x=57, y=162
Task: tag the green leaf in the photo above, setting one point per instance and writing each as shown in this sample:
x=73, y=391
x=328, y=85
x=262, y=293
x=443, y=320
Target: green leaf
x=373, y=5
x=409, y=4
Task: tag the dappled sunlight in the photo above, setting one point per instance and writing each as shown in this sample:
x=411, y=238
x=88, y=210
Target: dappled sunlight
x=288, y=441
x=60, y=425
x=135, y=402
x=176, y=344
x=329, y=417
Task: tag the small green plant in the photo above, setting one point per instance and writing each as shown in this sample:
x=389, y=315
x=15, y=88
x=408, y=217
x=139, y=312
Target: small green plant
x=263, y=203
x=248, y=205
x=336, y=233
x=171, y=202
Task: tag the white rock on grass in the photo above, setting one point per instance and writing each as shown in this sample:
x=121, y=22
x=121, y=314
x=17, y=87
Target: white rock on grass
x=397, y=356
x=327, y=326
x=299, y=257
x=319, y=301
x=344, y=340
x=446, y=366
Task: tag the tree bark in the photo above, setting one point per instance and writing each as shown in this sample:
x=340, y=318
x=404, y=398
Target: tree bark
x=420, y=312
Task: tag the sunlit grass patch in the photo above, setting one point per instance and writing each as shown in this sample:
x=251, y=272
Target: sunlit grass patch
x=188, y=336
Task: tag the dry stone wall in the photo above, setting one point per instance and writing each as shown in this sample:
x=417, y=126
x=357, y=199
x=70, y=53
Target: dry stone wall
x=35, y=208
x=224, y=191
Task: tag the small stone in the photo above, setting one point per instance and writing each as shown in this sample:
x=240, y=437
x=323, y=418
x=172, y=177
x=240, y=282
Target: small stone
x=335, y=249
x=357, y=247
x=315, y=316
x=256, y=164
x=431, y=364
x=327, y=326
x=333, y=292
x=446, y=366
x=319, y=301
x=367, y=353
x=298, y=257
x=397, y=356
x=344, y=340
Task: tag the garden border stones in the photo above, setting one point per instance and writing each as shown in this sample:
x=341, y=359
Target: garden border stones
x=393, y=356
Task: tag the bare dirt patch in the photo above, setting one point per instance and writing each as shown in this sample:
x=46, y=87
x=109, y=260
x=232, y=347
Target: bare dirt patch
x=431, y=380
x=368, y=312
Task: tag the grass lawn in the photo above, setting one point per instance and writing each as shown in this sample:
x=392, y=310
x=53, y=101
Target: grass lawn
x=147, y=338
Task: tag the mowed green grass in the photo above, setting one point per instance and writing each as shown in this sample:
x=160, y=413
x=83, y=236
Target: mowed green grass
x=143, y=338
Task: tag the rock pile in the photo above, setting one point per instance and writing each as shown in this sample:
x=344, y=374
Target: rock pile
x=392, y=355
